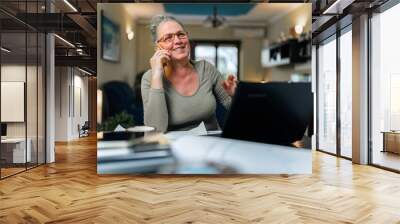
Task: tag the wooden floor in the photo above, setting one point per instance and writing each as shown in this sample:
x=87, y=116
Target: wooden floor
x=5, y=172
x=10, y=171
x=70, y=191
x=387, y=159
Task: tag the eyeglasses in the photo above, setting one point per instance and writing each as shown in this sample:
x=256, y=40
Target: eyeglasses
x=168, y=38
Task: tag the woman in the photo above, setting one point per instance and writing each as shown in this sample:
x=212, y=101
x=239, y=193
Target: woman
x=179, y=94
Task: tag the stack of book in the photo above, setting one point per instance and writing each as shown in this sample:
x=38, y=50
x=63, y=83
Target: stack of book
x=148, y=154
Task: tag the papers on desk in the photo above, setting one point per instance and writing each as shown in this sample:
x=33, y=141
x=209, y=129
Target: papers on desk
x=141, y=129
x=199, y=130
x=119, y=128
x=242, y=156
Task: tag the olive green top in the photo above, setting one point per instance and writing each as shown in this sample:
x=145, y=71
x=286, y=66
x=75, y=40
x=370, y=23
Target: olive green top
x=167, y=110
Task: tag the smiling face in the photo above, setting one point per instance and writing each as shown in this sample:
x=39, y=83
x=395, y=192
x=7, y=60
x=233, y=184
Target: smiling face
x=172, y=37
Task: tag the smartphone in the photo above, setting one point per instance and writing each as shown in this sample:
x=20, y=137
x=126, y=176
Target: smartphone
x=166, y=64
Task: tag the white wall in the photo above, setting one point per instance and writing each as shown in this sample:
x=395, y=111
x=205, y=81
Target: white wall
x=61, y=103
x=80, y=83
x=70, y=83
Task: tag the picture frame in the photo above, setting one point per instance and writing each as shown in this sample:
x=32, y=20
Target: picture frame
x=110, y=39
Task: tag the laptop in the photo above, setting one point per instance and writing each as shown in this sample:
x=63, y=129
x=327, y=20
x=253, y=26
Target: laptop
x=274, y=113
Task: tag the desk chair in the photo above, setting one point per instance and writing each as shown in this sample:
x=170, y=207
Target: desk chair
x=84, y=130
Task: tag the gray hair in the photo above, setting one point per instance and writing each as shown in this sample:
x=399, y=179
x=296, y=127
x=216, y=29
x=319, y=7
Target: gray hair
x=157, y=20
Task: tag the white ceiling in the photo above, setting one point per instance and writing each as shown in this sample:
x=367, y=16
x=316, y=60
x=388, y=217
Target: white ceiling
x=261, y=15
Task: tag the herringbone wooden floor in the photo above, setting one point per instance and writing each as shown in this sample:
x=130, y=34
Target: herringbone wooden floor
x=70, y=191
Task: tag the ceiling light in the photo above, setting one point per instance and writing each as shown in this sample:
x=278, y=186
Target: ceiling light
x=5, y=50
x=215, y=21
x=70, y=5
x=64, y=40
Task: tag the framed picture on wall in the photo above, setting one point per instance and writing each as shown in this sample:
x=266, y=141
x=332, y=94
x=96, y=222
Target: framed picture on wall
x=12, y=101
x=110, y=39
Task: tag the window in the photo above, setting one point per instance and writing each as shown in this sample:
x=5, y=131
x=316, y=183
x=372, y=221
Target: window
x=222, y=54
x=346, y=93
x=327, y=96
x=385, y=89
x=335, y=94
x=206, y=52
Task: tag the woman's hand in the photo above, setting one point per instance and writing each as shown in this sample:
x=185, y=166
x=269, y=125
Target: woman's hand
x=157, y=61
x=230, y=85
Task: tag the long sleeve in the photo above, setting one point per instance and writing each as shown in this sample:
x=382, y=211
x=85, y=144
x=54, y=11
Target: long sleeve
x=154, y=105
x=219, y=91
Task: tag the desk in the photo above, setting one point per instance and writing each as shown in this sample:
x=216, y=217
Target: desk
x=15, y=148
x=192, y=153
x=391, y=141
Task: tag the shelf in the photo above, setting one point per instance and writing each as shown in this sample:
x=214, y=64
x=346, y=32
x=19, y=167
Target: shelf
x=289, y=52
x=270, y=64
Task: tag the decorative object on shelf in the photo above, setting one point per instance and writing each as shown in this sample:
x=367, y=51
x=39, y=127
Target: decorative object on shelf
x=287, y=52
x=282, y=37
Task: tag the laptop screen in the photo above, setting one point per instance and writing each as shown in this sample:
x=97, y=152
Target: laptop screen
x=275, y=113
